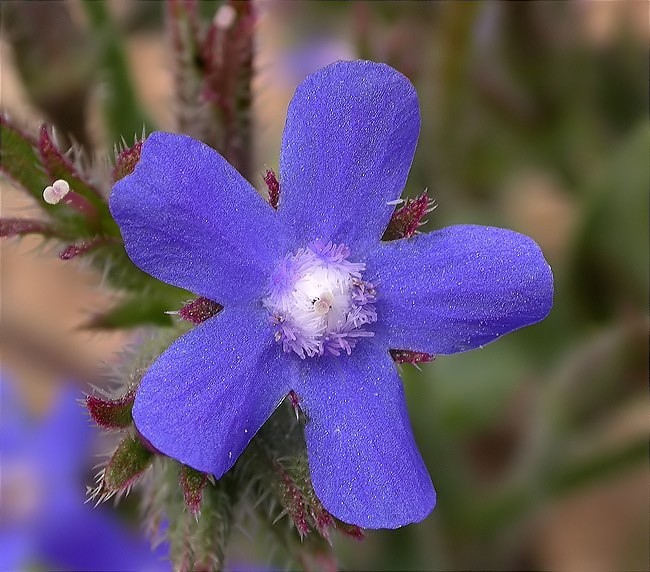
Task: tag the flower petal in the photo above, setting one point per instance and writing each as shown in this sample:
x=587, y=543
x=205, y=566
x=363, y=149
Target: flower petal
x=206, y=396
x=459, y=288
x=190, y=219
x=62, y=444
x=16, y=548
x=16, y=429
x=88, y=538
x=347, y=148
x=364, y=463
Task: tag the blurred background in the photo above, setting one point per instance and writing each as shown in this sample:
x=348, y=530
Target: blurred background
x=535, y=118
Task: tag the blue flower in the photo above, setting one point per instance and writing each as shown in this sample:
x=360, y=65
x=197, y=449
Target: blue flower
x=313, y=299
x=45, y=521
x=307, y=55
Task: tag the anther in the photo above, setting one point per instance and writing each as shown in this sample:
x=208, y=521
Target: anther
x=318, y=301
x=55, y=193
x=60, y=192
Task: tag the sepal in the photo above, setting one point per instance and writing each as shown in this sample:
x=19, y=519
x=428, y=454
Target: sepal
x=408, y=356
x=85, y=246
x=128, y=463
x=273, y=186
x=192, y=483
x=197, y=540
x=276, y=460
x=126, y=161
x=38, y=166
x=409, y=217
x=111, y=414
x=351, y=530
x=199, y=310
x=303, y=507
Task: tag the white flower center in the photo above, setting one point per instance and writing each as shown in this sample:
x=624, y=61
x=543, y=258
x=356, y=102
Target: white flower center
x=318, y=301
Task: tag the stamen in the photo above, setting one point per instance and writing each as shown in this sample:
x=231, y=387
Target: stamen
x=60, y=191
x=318, y=301
x=54, y=194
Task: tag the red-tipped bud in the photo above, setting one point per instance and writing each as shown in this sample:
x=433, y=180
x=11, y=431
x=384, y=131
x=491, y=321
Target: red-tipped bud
x=56, y=163
x=351, y=530
x=295, y=403
x=408, y=218
x=199, y=310
x=293, y=500
x=323, y=521
x=74, y=250
x=111, y=413
x=193, y=482
x=274, y=188
x=128, y=463
x=84, y=247
x=126, y=161
x=408, y=356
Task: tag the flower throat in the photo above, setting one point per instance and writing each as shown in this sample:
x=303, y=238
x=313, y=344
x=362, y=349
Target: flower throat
x=319, y=302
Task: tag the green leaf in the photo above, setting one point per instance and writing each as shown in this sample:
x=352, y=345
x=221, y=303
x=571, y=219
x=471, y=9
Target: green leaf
x=123, y=113
x=133, y=312
x=598, y=465
x=469, y=391
x=506, y=508
x=610, y=258
x=20, y=162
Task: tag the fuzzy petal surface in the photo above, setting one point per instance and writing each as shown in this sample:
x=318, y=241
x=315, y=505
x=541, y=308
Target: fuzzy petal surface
x=459, y=288
x=348, y=144
x=365, y=466
x=190, y=219
x=206, y=396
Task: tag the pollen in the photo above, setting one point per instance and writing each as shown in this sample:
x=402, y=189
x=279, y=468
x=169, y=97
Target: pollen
x=323, y=304
x=318, y=301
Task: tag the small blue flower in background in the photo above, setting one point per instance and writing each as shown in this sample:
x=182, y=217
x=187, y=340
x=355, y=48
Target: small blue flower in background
x=44, y=520
x=310, y=54
x=313, y=299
